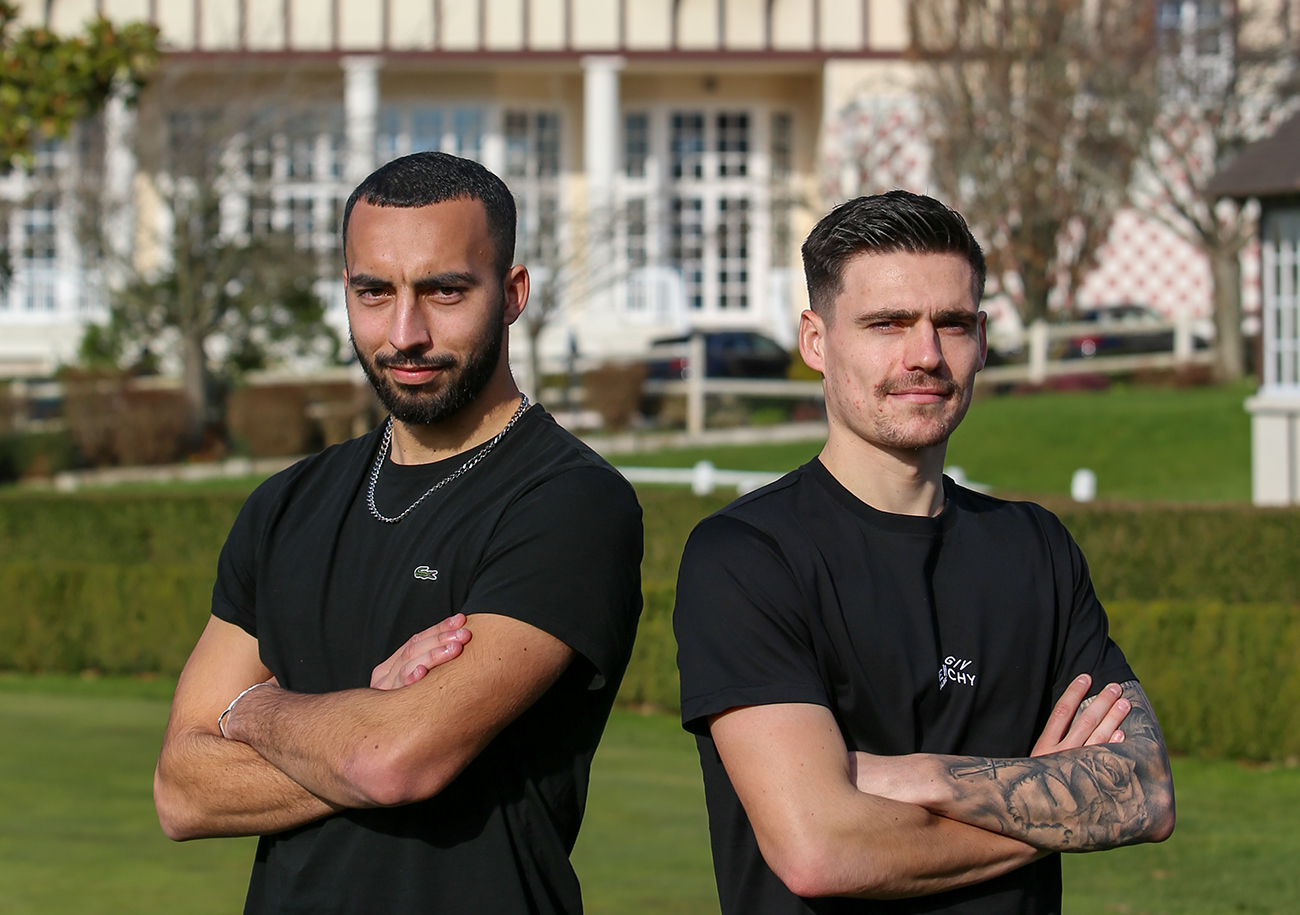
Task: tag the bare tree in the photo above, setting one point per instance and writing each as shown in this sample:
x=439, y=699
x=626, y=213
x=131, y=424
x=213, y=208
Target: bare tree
x=1228, y=75
x=220, y=279
x=570, y=257
x=1038, y=110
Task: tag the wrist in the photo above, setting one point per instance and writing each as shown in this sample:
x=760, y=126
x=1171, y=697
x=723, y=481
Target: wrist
x=227, y=720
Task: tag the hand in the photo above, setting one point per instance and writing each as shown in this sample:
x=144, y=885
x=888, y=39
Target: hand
x=422, y=653
x=1074, y=723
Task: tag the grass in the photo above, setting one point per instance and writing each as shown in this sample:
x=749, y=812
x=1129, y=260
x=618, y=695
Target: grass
x=77, y=828
x=1144, y=443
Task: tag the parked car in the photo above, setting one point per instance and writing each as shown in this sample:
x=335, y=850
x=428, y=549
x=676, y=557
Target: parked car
x=1159, y=339
x=727, y=354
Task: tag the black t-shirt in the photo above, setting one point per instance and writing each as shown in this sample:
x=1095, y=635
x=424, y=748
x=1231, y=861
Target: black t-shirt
x=542, y=530
x=954, y=634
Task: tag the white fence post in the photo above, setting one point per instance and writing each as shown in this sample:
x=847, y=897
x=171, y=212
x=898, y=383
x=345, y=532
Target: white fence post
x=1038, y=351
x=1183, y=336
x=696, y=366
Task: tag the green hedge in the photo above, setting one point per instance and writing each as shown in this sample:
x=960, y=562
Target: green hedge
x=1237, y=554
x=118, y=619
x=1204, y=600
x=1224, y=679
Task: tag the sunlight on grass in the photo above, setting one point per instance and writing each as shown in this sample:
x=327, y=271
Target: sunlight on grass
x=78, y=832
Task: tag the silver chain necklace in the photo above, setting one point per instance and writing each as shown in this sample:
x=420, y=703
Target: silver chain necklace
x=383, y=453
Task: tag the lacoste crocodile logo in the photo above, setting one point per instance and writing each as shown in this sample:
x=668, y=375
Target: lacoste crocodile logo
x=427, y=574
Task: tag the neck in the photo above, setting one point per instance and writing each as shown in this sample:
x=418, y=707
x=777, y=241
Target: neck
x=477, y=423
x=901, y=481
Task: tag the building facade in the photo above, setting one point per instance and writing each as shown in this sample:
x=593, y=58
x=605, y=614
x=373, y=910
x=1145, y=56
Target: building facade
x=668, y=156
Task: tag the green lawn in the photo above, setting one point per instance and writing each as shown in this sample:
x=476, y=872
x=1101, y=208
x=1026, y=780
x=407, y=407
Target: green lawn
x=78, y=834
x=1144, y=443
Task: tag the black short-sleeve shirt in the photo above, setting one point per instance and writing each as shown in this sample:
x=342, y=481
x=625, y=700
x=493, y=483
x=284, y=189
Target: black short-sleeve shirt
x=954, y=634
x=542, y=530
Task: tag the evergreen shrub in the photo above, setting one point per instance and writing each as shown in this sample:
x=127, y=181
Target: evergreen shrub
x=1224, y=679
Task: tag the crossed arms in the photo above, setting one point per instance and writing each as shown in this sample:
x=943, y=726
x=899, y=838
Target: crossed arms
x=831, y=823
x=293, y=758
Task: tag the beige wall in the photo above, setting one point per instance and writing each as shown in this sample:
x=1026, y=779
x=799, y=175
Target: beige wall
x=845, y=26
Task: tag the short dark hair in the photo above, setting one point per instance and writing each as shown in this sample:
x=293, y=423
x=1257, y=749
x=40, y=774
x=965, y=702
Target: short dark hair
x=884, y=224
x=425, y=178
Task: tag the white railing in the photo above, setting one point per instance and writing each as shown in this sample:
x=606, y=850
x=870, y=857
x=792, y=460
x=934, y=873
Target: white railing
x=1041, y=336
x=1037, y=369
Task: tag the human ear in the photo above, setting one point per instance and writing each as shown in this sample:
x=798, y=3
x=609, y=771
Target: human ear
x=812, y=338
x=515, y=289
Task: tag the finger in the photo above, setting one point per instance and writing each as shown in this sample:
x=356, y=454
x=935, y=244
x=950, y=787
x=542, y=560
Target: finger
x=1117, y=737
x=1091, y=716
x=446, y=646
x=1109, y=724
x=1063, y=715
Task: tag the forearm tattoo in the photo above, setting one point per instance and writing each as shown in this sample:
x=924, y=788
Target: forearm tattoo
x=1079, y=800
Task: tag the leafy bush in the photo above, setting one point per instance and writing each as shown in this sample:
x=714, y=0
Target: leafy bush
x=111, y=617
x=1224, y=679
x=1204, y=601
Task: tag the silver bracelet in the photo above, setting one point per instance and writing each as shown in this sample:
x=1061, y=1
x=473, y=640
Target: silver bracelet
x=221, y=719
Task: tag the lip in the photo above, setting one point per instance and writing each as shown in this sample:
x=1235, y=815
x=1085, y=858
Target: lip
x=921, y=395
x=412, y=376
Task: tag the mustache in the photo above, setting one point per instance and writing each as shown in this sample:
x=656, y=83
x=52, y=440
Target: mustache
x=943, y=386
x=400, y=361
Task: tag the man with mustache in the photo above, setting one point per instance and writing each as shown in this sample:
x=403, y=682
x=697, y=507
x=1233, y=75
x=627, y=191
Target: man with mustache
x=888, y=674
x=379, y=776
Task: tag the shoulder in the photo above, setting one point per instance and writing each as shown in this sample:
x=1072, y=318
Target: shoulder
x=317, y=479
x=772, y=516
x=551, y=463
x=983, y=510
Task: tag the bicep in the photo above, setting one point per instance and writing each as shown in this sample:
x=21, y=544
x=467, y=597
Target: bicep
x=789, y=767
x=224, y=662
x=436, y=727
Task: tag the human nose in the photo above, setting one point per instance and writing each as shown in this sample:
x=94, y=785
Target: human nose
x=409, y=328
x=923, y=350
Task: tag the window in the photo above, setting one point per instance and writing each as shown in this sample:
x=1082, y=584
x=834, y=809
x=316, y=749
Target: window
x=782, y=147
x=687, y=249
x=426, y=130
x=733, y=253
x=733, y=145
x=688, y=145
x=402, y=130
x=532, y=166
x=636, y=144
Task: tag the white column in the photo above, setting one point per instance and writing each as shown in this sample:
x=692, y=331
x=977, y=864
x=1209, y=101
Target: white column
x=600, y=126
x=361, y=108
x=600, y=139
x=118, y=189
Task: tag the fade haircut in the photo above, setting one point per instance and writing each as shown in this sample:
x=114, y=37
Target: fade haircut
x=884, y=224
x=425, y=178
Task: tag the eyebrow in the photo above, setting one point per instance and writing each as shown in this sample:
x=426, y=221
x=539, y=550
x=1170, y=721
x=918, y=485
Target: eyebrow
x=451, y=279
x=942, y=316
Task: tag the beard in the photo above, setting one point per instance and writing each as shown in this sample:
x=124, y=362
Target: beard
x=925, y=425
x=464, y=379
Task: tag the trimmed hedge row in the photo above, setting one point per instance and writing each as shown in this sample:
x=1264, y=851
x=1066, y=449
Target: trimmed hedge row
x=115, y=618
x=1224, y=678
x=1237, y=554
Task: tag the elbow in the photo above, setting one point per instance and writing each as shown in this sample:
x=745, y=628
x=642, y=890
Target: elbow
x=811, y=869
x=1163, y=815
x=396, y=775
x=175, y=816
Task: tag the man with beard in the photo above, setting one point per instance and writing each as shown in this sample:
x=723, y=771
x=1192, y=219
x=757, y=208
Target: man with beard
x=887, y=673
x=445, y=772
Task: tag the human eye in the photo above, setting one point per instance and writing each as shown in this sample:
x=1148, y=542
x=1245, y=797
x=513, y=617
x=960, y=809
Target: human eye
x=371, y=294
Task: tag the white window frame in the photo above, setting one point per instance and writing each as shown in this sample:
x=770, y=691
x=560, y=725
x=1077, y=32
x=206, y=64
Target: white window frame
x=658, y=188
